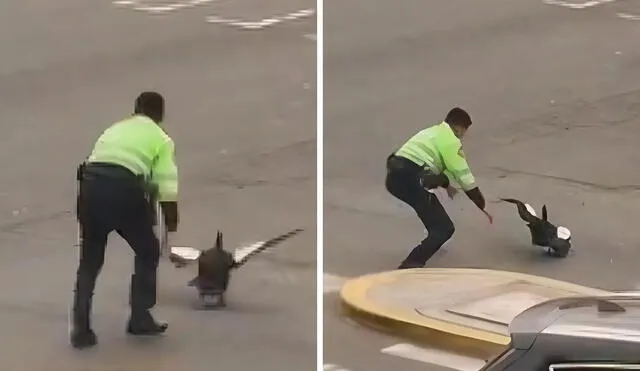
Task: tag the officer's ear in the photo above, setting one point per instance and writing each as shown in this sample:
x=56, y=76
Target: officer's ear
x=456, y=130
x=459, y=131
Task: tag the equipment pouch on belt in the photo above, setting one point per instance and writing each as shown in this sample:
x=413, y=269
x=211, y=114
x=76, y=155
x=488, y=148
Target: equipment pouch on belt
x=429, y=180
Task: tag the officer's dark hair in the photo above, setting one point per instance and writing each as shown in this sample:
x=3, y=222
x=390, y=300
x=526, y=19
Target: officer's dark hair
x=458, y=117
x=151, y=104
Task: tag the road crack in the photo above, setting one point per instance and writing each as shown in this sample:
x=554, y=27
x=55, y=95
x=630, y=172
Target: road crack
x=608, y=111
x=13, y=227
x=592, y=185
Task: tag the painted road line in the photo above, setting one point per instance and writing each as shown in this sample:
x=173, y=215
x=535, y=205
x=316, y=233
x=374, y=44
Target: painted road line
x=332, y=367
x=311, y=36
x=264, y=23
x=434, y=357
x=583, y=5
x=172, y=7
x=331, y=283
x=629, y=17
x=165, y=8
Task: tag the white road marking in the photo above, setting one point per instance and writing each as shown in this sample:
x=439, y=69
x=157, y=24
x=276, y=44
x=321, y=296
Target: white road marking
x=155, y=9
x=629, y=17
x=266, y=22
x=435, y=357
x=135, y=4
x=592, y=3
x=332, y=367
x=331, y=283
x=311, y=36
x=583, y=5
x=242, y=24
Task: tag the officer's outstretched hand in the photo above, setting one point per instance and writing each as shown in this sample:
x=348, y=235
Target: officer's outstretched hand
x=489, y=216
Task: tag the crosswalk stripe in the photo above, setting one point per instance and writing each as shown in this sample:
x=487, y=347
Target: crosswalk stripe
x=435, y=357
x=332, y=367
x=331, y=283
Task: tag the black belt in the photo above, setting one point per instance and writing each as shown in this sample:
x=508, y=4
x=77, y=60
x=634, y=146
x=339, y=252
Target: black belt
x=403, y=164
x=95, y=170
x=101, y=170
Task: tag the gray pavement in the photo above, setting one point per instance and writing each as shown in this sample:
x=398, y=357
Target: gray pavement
x=349, y=346
x=555, y=96
x=241, y=108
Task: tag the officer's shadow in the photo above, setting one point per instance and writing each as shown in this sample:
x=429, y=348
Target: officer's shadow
x=513, y=254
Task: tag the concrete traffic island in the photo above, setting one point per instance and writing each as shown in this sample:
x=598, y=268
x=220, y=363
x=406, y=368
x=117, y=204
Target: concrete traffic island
x=466, y=310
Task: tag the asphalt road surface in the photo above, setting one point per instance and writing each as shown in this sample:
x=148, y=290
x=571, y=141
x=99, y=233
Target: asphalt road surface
x=241, y=109
x=554, y=91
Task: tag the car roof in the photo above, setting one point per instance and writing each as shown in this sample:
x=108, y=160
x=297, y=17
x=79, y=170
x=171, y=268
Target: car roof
x=614, y=317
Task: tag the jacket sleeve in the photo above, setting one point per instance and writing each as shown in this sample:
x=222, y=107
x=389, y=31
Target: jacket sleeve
x=165, y=172
x=457, y=167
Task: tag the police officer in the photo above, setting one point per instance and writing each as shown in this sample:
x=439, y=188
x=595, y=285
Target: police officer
x=131, y=167
x=429, y=160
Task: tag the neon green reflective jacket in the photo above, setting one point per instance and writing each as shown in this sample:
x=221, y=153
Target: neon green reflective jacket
x=141, y=146
x=438, y=149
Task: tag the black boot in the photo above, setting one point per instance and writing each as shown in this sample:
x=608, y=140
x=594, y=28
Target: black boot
x=409, y=265
x=142, y=299
x=141, y=322
x=82, y=336
x=420, y=254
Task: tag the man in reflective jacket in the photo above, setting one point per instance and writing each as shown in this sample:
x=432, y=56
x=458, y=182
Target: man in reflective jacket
x=132, y=166
x=428, y=160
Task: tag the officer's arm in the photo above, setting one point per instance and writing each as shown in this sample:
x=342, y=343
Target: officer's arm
x=457, y=168
x=165, y=176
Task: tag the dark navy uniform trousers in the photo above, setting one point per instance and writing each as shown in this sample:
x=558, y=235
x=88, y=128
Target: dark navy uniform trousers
x=111, y=198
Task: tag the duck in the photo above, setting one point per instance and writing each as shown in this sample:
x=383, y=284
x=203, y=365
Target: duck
x=556, y=240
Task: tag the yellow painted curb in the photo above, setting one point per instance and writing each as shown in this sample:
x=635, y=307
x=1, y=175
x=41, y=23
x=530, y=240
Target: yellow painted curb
x=410, y=324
